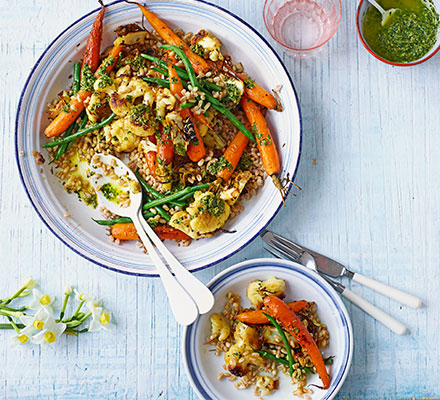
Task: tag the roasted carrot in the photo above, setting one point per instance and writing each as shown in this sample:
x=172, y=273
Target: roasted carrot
x=199, y=64
x=167, y=232
x=257, y=317
x=127, y=231
x=290, y=322
x=124, y=231
x=265, y=143
x=196, y=149
x=165, y=147
x=233, y=154
x=93, y=47
x=257, y=93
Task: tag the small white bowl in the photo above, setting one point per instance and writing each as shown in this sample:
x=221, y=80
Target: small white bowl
x=203, y=366
x=360, y=14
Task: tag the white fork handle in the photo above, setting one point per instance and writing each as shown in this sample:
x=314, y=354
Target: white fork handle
x=183, y=307
x=377, y=314
x=392, y=293
x=377, y=5
x=197, y=290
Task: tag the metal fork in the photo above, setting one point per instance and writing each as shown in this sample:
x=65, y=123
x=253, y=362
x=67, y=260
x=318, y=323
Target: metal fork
x=286, y=249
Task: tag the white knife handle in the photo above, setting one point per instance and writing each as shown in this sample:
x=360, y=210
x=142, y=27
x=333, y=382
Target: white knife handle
x=392, y=293
x=377, y=314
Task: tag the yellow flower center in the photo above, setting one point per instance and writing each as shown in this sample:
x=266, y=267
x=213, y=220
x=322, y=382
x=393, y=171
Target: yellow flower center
x=82, y=296
x=23, y=338
x=45, y=300
x=38, y=324
x=105, y=318
x=50, y=337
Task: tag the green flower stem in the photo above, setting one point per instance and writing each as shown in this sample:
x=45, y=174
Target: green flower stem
x=78, y=309
x=284, y=339
x=85, y=317
x=14, y=325
x=10, y=326
x=6, y=313
x=66, y=299
x=3, y=307
x=15, y=295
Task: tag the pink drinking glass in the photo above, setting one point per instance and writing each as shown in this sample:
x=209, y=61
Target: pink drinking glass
x=302, y=27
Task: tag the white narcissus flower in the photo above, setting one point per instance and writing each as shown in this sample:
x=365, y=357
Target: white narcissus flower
x=31, y=325
x=101, y=319
x=41, y=300
x=29, y=283
x=51, y=332
x=90, y=301
x=36, y=321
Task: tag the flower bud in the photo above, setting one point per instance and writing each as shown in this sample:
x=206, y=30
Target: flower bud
x=68, y=290
x=29, y=283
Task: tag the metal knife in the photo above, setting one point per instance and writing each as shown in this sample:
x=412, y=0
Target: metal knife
x=335, y=269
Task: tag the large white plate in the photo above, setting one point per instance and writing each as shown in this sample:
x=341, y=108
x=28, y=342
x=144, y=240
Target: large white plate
x=50, y=75
x=203, y=366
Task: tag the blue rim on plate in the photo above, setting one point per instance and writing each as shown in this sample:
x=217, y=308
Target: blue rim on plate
x=33, y=195
x=268, y=267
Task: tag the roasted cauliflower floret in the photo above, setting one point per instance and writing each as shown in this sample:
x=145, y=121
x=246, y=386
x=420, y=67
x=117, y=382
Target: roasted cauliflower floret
x=165, y=102
x=132, y=88
x=174, y=121
x=97, y=106
x=243, y=353
x=131, y=38
x=219, y=327
x=141, y=121
x=206, y=45
x=119, y=104
x=258, y=290
x=181, y=220
x=235, y=88
x=232, y=192
x=247, y=335
x=266, y=385
x=208, y=212
x=121, y=136
x=104, y=84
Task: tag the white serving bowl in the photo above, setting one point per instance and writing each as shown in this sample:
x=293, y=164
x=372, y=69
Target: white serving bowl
x=50, y=75
x=203, y=366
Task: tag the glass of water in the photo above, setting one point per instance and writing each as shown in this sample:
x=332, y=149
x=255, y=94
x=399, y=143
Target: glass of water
x=302, y=27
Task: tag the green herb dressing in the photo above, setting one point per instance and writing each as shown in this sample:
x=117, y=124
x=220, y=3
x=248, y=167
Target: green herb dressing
x=407, y=35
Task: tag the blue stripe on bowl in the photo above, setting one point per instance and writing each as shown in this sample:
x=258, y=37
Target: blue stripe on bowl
x=60, y=228
x=268, y=266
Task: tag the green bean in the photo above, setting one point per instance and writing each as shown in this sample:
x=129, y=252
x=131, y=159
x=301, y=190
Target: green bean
x=163, y=69
x=82, y=125
x=187, y=105
x=162, y=213
x=270, y=356
x=70, y=130
x=80, y=133
x=182, y=56
x=153, y=192
x=76, y=77
x=158, y=81
x=284, y=339
x=121, y=220
x=174, y=196
x=329, y=360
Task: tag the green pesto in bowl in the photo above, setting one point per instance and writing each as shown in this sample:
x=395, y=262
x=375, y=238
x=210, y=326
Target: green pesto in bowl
x=408, y=33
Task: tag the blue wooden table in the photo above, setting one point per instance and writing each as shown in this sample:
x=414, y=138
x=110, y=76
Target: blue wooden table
x=370, y=173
